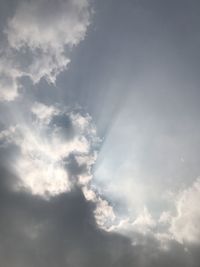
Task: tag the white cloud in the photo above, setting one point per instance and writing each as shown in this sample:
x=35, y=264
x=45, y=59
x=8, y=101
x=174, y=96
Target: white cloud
x=44, y=149
x=43, y=112
x=39, y=33
x=143, y=224
x=165, y=217
x=42, y=175
x=103, y=212
x=185, y=225
x=8, y=136
x=89, y=194
x=46, y=28
x=8, y=87
x=181, y=225
x=8, y=80
x=48, y=25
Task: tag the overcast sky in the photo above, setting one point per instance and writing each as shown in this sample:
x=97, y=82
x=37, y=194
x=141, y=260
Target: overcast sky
x=99, y=133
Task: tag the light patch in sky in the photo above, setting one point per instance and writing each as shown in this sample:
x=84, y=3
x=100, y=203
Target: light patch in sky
x=134, y=168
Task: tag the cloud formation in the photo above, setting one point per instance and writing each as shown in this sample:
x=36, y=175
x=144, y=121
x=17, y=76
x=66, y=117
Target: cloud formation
x=185, y=224
x=38, y=37
x=54, y=210
x=46, y=146
x=62, y=231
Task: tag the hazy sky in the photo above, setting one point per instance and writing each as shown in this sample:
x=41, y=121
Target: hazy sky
x=99, y=133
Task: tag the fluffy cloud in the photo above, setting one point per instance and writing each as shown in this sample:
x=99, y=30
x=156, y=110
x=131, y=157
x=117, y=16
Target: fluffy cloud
x=55, y=152
x=180, y=225
x=48, y=25
x=54, y=156
x=43, y=112
x=103, y=212
x=9, y=75
x=38, y=36
x=144, y=222
x=185, y=224
x=46, y=147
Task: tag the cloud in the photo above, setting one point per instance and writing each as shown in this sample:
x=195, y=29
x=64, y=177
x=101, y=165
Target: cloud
x=49, y=202
x=144, y=221
x=144, y=225
x=46, y=146
x=62, y=231
x=53, y=212
x=9, y=75
x=103, y=211
x=43, y=112
x=179, y=224
x=39, y=34
x=48, y=24
x=185, y=224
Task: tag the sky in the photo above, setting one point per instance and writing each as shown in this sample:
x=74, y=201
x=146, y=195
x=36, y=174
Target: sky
x=99, y=133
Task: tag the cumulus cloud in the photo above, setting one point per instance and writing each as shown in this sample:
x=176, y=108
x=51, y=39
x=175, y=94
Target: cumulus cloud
x=48, y=24
x=46, y=146
x=54, y=159
x=179, y=224
x=103, y=212
x=43, y=112
x=185, y=224
x=61, y=231
x=38, y=36
x=144, y=221
x=56, y=151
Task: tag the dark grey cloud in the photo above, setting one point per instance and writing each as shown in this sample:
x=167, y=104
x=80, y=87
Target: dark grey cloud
x=63, y=232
